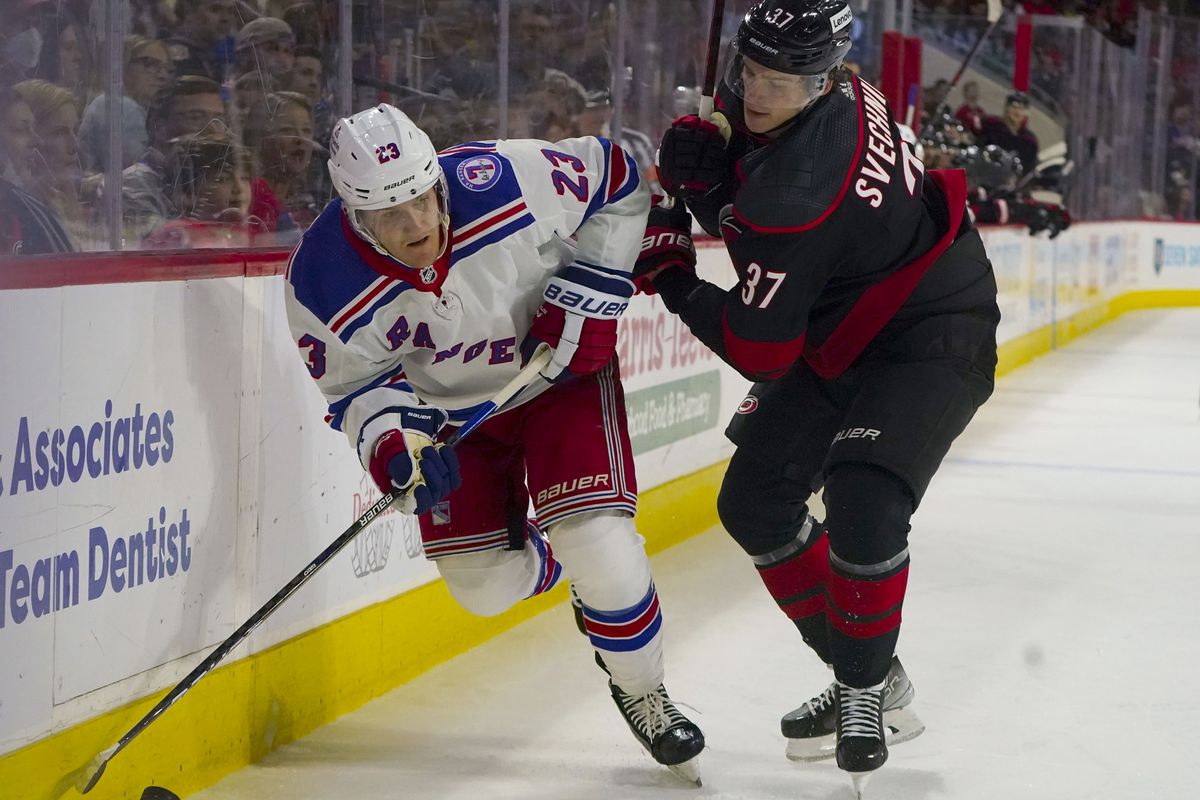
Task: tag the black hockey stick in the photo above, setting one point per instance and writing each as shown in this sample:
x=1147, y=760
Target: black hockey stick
x=715, y=24
x=994, y=12
x=95, y=767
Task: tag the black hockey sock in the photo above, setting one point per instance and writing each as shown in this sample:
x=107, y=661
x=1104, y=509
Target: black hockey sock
x=795, y=576
x=864, y=619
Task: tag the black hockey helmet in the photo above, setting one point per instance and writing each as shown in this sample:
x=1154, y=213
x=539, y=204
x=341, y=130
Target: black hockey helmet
x=801, y=37
x=781, y=59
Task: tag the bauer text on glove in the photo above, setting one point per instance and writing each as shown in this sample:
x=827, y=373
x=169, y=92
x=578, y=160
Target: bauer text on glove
x=577, y=320
x=405, y=458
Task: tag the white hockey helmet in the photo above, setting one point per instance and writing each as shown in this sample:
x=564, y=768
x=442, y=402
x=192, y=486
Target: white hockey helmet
x=379, y=158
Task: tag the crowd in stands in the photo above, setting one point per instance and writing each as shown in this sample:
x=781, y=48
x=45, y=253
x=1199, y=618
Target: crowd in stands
x=226, y=108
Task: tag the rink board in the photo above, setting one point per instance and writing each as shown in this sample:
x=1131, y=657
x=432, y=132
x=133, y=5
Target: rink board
x=164, y=469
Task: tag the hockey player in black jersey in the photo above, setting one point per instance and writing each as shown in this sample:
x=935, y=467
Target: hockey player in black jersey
x=866, y=312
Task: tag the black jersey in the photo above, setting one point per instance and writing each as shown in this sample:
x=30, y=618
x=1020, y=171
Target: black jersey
x=835, y=230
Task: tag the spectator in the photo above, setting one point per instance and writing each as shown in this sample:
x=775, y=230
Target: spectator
x=557, y=101
x=27, y=225
x=280, y=138
x=267, y=45
x=18, y=139
x=147, y=71
x=596, y=120
x=204, y=26
x=207, y=184
x=970, y=113
x=56, y=172
x=62, y=53
x=306, y=80
x=22, y=42
x=190, y=105
x=307, y=24
x=1011, y=132
x=250, y=92
x=934, y=97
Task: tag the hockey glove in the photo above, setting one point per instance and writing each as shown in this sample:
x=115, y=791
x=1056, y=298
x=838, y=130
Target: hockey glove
x=693, y=157
x=406, y=459
x=1040, y=216
x=578, y=320
x=666, y=245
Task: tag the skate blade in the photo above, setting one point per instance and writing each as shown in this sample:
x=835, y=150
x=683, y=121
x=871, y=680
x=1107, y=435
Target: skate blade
x=902, y=725
x=689, y=770
x=859, y=780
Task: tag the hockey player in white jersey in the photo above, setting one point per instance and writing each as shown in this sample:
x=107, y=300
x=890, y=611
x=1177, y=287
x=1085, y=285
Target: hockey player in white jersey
x=416, y=295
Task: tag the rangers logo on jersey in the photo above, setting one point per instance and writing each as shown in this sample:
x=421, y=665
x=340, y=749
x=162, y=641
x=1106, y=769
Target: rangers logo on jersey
x=480, y=173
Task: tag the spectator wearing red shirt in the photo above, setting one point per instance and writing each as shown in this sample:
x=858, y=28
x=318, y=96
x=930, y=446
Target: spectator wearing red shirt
x=970, y=113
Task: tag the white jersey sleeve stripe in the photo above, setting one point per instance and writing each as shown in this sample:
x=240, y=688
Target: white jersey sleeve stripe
x=359, y=303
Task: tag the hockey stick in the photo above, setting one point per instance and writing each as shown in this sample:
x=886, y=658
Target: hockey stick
x=95, y=768
x=994, y=12
x=710, y=63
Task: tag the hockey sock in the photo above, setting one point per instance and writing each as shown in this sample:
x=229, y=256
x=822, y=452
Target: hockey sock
x=549, y=570
x=864, y=605
x=795, y=575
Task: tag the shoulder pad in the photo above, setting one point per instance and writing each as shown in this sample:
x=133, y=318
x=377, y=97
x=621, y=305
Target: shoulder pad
x=800, y=177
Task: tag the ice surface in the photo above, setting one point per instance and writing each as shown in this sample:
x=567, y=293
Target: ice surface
x=1050, y=631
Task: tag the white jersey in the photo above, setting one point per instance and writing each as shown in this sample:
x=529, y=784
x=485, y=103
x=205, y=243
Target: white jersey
x=378, y=336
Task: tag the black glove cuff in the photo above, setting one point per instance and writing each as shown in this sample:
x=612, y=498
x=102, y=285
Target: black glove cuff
x=673, y=285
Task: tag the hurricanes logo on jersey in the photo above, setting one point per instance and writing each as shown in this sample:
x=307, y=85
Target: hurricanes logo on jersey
x=748, y=405
x=480, y=172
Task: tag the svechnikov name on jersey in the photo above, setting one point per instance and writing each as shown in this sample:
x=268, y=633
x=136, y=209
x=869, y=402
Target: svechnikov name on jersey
x=880, y=146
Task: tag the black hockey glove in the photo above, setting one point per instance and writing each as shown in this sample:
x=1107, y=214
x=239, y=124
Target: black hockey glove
x=693, y=157
x=1040, y=216
x=667, y=245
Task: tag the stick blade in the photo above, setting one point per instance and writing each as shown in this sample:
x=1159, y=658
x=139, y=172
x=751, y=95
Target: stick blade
x=94, y=768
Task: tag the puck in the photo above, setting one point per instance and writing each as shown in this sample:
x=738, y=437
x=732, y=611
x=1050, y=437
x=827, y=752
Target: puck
x=158, y=793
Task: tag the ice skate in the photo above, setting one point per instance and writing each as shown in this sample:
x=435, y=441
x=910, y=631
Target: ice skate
x=810, y=728
x=669, y=737
x=861, y=745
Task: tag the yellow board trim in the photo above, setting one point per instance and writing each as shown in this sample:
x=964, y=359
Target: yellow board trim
x=240, y=712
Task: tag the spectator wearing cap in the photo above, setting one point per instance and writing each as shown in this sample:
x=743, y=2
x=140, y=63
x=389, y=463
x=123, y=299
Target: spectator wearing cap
x=1011, y=132
x=204, y=26
x=147, y=71
x=265, y=44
